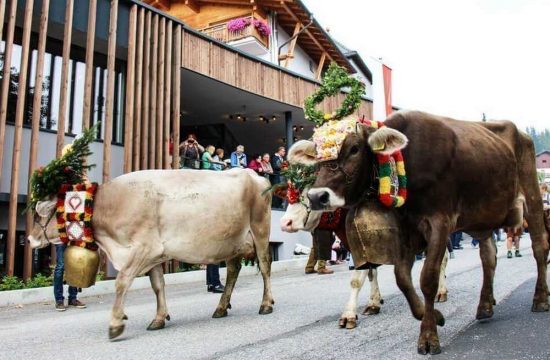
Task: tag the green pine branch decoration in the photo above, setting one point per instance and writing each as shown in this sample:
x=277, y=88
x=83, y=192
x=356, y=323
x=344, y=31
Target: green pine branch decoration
x=70, y=168
x=300, y=175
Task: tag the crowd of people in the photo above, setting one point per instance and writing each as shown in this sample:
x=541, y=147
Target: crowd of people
x=195, y=156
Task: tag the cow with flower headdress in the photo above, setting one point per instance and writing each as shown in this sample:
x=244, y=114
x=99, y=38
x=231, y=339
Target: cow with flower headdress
x=461, y=176
x=299, y=216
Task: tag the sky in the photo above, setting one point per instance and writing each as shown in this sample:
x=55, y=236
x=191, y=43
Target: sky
x=454, y=58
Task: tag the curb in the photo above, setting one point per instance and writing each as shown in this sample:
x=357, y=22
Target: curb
x=45, y=294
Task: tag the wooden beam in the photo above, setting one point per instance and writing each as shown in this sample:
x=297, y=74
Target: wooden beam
x=36, y=115
x=6, y=77
x=111, y=54
x=167, y=96
x=2, y=14
x=130, y=87
x=193, y=5
x=176, y=79
x=161, y=4
x=289, y=11
x=138, y=91
x=19, y=116
x=145, y=103
x=320, y=66
x=153, y=93
x=62, y=114
x=290, y=52
x=160, y=94
x=88, y=78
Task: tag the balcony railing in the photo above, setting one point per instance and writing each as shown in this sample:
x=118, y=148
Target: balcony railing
x=221, y=33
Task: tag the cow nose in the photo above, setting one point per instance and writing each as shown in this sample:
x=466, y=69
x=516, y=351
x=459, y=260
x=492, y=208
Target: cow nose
x=319, y=200
x=286, y=224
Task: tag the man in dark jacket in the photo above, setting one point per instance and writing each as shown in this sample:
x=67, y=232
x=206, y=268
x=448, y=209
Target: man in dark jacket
x=277, y=164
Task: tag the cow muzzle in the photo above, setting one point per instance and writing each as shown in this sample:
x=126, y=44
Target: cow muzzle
x=36, y=243
x=324, y=199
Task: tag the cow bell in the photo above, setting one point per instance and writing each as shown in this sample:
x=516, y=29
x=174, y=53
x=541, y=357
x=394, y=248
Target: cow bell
x=373, y=232
x=81, y=266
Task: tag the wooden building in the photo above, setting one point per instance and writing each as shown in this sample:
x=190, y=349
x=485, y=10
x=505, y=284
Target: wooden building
x=147, y=71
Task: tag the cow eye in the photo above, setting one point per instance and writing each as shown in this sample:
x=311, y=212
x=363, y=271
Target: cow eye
x=354, y=150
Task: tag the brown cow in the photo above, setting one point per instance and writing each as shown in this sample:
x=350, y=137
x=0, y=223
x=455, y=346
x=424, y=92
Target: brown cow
x=467, y=176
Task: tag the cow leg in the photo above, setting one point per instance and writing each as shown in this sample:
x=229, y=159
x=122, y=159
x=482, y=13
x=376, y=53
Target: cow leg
x=123, y=282
x=348, y=319
x=436, y=230
x=156, y=276
x=233, y=269
x=442, y=290
x=402, y=271
x=260, y=236
x=540, y=234
x=488, y=254
x=375, y=300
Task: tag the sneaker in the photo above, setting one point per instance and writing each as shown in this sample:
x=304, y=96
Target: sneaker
x=325, y=271
x=218, y=289
x=509, y=256
x=518, y=254
x=60, y=306
x=209, y=288
x=77, y=304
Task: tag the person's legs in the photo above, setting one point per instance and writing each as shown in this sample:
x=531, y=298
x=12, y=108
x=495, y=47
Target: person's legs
x=310, y=266
x=509, y=241
x=213, y=273
x=58, y=278
x=323, y=240
x=516, y=243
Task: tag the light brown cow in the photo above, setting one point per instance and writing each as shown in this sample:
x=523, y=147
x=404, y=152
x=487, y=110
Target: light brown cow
x=145, y=218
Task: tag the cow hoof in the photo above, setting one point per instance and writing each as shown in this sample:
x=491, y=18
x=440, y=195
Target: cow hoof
x=381, y=301
x=348, y=322
x=540, y=307
x=483, y=314
x=115, y=331
x=429, y=344
x=229, y=306
x=264, y=310
x=439, y=318
x=125, y=317
x=156, y=325
x=441, y=297
x=219, y=313
x=371, y=310
x=168, y=317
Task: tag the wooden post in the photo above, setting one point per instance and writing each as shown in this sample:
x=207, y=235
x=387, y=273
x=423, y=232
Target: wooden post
x=321, y=65
x=167, y=95
x=176, y=96
x=145, y=108
x=290, y=52
x=2, y=14
x=160, y=93
x=88, y=79
x=111, y=49
x=67, y=33
x=130, y=79
x=153, y=93
x=6, y=77
x=138, y=92
x=36, y=115
x=19, y=114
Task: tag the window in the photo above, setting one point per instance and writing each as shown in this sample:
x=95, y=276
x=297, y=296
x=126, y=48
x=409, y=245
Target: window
x=51, y=90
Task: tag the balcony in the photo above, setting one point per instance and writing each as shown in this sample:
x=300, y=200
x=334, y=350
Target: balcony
x=248, y=39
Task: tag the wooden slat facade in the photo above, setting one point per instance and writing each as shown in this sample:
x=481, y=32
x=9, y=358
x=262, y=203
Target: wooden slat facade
x=158, y=49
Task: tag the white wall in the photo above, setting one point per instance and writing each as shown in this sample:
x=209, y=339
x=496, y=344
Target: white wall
x=379, y=109
x=289, y=241
x=46, y=152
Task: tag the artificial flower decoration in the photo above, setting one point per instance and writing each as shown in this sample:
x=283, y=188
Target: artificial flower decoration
x=329, y=137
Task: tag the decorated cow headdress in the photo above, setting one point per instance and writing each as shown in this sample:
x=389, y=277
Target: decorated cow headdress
x=332, y=129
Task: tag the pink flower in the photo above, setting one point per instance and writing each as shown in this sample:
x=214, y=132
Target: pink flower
x=238, y=24
x=262, y=27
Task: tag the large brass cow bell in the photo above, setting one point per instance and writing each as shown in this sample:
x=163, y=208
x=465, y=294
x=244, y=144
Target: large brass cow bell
x=373, y=233
x=81, y=266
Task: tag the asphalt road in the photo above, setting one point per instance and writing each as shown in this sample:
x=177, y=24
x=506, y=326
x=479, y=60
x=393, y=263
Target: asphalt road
x=302, y=326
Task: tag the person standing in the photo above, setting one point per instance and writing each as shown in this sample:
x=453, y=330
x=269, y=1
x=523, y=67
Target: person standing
x=512, y=239
x=266, y=167
x=321, y=252
x=238, y=158
x=190, y=153
x=255, y=165
x=218, y=164
x=213, y=283
x=277, y=178
x=58, y=283
x=456, y=238
x=207, y=161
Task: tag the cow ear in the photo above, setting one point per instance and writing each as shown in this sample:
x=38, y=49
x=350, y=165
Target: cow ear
x=386, y=141
x=302, y=152
x=45, y=208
